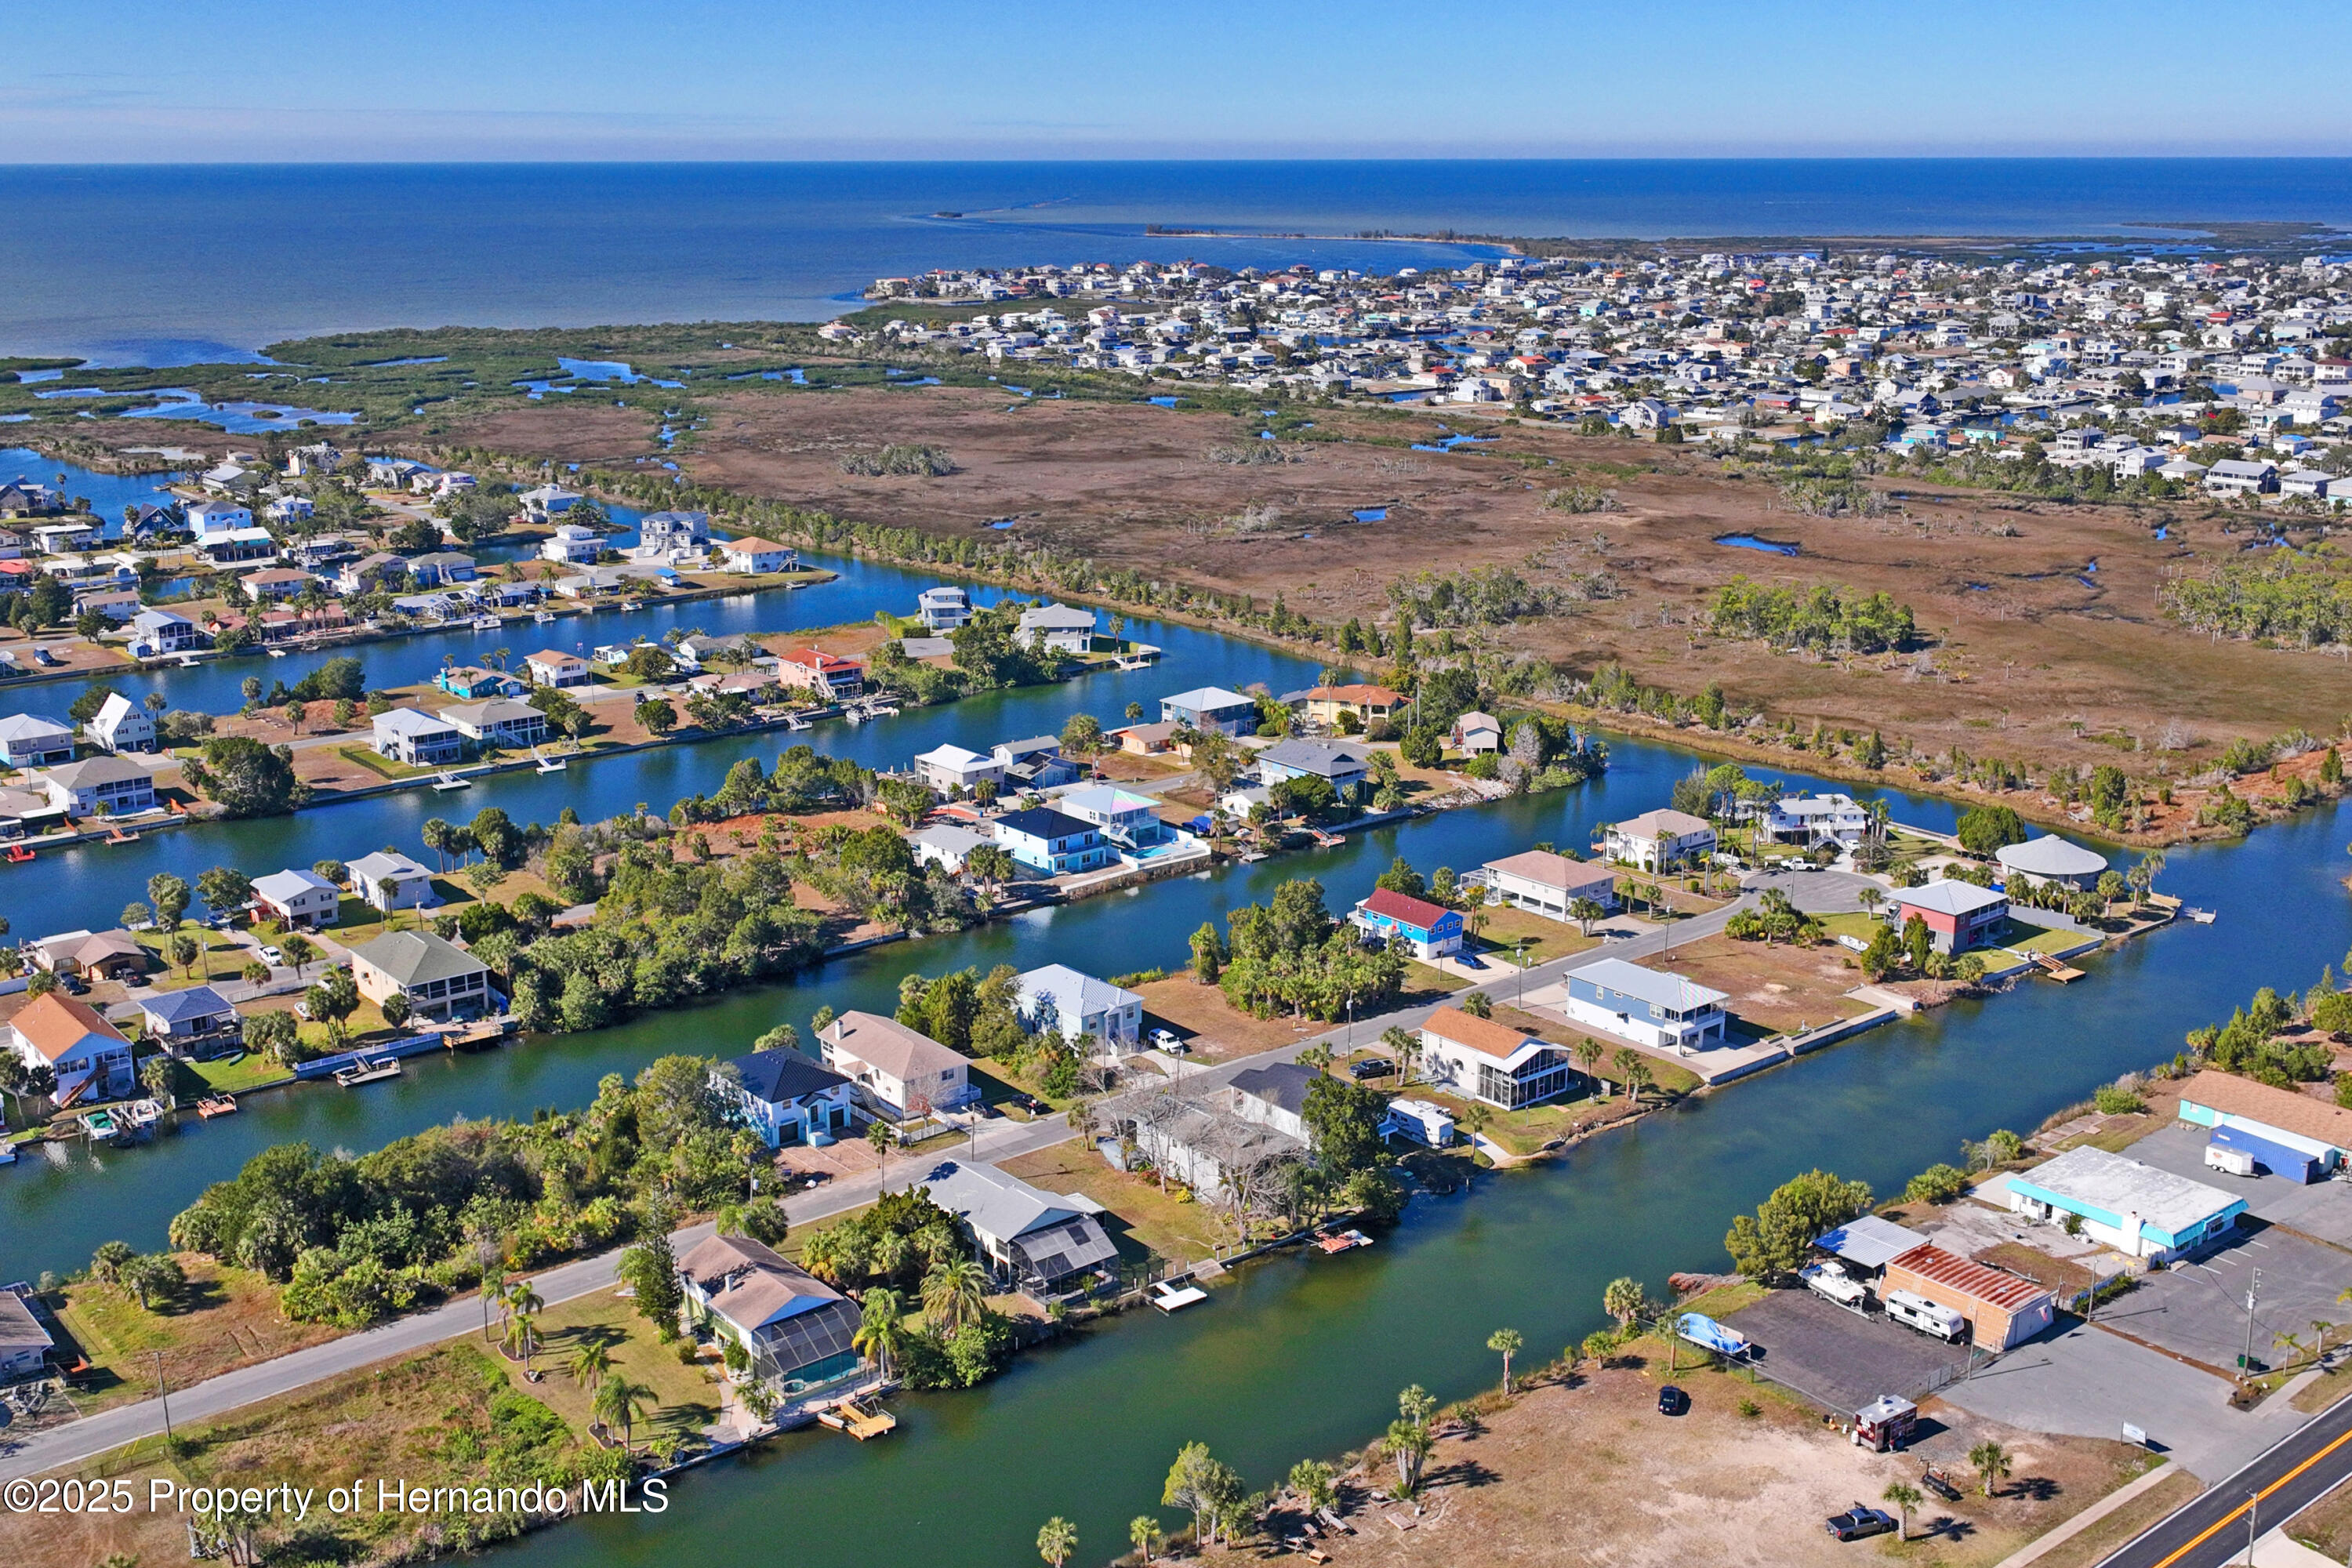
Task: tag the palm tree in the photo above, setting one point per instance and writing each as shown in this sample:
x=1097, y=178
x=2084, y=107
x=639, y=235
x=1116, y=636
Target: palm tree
x=1587, y=1051
x=883, y=1333
x=1905, y=1497
x=1505, y=1343
x=1992, y=1463
x=955, y=1294
x=589, y=1364
x=1477, y=1119
x=521, y=1341
x=1057, y=1539
x=618, y=1399
x=436, y=834
x=523, y=1304
x=1145, y=1532
x=1409, y=1442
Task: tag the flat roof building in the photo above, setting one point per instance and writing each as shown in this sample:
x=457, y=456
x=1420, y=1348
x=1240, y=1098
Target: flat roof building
x=2134, y=1209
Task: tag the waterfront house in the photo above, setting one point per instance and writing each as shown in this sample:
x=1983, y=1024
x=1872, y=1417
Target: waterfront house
x=1647, y=1006
x=2050, y=859
x=1428, y=931
x=1659, y=840
x=154, y=633
x=415, y=738
x=116, y=605
x=684, y=532
x=1127, y=820
x=1147, y=740
x=553, y=667
x=1547, y=884
x=386, y=881
x=500, y=721
x=297, y=899
x=122, y=725
x=826, y=677
x=699, y=649
x=1341, y=767
x=440, y=979
x=88, y=1055
x=944, y=608
x=1477, y=734
x=93, y=954
x=797, y=1329
x=1043, y=1244
x=952, y=767
x=1057, y=628
x=2137, y=1209
x=25, y=1345
x=274, y=582
x=1059, y=1000
x=946, y=845
x=786, y=1098
x=474, y=683
x=1332, y=706
x=899, y=1072
x=1209, y=1147
x=571, y=544
x=1481, y=1060
x=1958, y=915
x=1207, y=708
x=1033, y=763
x=1809, y=819
x=180, y=1020
x=209, y=520
x=28, y=741
x=441, y=569
x=2233, y=475
x=1274, y=1096
x=237, y=545
x=112, y=786
x=592, y=583
x=377, y=570
x=65, y=538
x=548, y=501
x=752, y=555
x=1053, y=842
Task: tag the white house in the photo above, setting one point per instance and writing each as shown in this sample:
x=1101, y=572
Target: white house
x=548, y=501
x=1547, y=884
x=944, y=608
x=1659, y=840
x=1663, y=1011
x=1274, y=1096
x=110, y=784
x=419, y=739
x=1809, y=819
x=757, y=556
x=386, y=882
x=946, y=845
x=1057, y=628
x=88, y=1055
x=500, y=721
x=1206, y=708
x=553, y=667
x=572, y=543
x=1059, y=1000
x=786, y=1098
x=899, y=1071
x=122, y=725
x=952, y=767
x=1039, y=1242
x=1477, y=734
x=1481, y=1060
x=296, y=897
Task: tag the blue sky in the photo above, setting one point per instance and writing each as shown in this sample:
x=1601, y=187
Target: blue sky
x=226, y=79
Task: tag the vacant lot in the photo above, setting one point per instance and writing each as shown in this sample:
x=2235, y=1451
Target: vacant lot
x=225, y=1318
x=2032, y=655
x=1776, y=988
x=1584, y=1469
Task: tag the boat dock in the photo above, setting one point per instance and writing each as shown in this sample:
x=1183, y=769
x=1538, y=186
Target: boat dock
x=861, y=1418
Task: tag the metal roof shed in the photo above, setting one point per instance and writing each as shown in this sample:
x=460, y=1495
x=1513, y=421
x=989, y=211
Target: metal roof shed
x=1869, y=1243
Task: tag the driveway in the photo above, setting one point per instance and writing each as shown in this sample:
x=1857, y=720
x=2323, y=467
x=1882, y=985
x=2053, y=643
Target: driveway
x=2198, y=1309
x=1838, y=1359
x=2323, y=1209
x=1825, y=892
x=2085, y=1382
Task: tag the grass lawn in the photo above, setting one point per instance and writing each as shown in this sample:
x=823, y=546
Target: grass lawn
x=2026, y=938
x=685, y=1398
x=228, y=1075
x=1529, y=1130
x=1861, y=927
x=1665, y=1076
x=1547, y=938
x=226, y=1317
x=382, y=766
x=1420, y=977
x=1143, y=1220
x=224, y=958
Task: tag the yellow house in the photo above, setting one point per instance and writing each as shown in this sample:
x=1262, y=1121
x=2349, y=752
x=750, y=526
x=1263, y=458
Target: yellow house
x=1370, y=704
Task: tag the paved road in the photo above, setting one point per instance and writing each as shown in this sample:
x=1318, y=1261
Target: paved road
x=2211, y=1531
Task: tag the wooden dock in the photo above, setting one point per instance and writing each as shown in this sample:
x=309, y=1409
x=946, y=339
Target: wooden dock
x=861, y=1418
x=2057, y=969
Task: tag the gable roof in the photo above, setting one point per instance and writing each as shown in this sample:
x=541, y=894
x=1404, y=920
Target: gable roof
x=1279, y=1083
x=1649, y=984
x=750, y=1285
x=291, y=883
x=54, y=1025
x=2010, y=1292
x=1207, y=699
x=889, y=1045
x=1000, y=1204
x=1321, y=758
x=32, y=727
x=378, y=864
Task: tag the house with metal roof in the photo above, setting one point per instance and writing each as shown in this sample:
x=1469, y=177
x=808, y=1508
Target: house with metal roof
x=1868, y=1244
x=1341, y=767
x=797, y=1329
x=2003, y=1309
x=1206, y=708
x=2134, y=1209
x=500, y=721
x=1059, y=1000
x=29, y=741
x=417, y=738
x=2050, y=859
x=1039, y=1242
x=1129, y=820
x=1485, y=1060
x=110, y=784
x=386, y=881
x=1648, y=1006
x=785, y=1096
x=949, y=767
x=440, y=979
x=296, y=897
x=2314, y=1129
x=1958, y=915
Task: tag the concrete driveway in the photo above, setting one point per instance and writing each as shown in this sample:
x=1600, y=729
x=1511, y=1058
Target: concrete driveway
x=2323, y=1209
x=1837, y=1358
x=2086, y=1381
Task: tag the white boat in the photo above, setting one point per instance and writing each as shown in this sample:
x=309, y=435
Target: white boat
x=2202, y=917
x=365, y=1071
x=446, y=781
x=540, y=617
x=1172, y=1296
x=8, y=1152
x=278, y=653
x=487, y=623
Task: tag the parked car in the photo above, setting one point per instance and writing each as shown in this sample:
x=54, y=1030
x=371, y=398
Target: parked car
x=1469, y=961
x=1371, y=1066
x=1860, y=1524
x=1166, y=1040
x=1673, y=1401
x=273, y=956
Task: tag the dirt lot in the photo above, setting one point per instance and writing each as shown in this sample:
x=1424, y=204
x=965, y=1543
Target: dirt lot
x=1775, y=988
x=2032, y=655
x=1584, y=1469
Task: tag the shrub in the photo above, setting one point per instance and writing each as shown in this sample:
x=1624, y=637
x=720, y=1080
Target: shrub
x=1938, y=1184
x=2114, y=1099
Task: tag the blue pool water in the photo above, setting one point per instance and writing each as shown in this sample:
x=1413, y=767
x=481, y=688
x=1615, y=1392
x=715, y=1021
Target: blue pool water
x=1750, y=542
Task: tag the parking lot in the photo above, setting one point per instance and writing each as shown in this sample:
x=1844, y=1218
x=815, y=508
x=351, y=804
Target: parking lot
x=2198, y=1309
x=2323, y=1209
x=1837, y=1359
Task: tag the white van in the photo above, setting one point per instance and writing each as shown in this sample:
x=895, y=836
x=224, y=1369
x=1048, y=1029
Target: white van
x=1833, y=1283
x=1915, y=1311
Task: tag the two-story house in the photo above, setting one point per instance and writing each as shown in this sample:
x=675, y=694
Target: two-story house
x=1053, y=843
x=1059, y=1000
x=899, y=1072
x=440, y=979
x=88, y=1055
x=1428, y=931
x=1659, y=840
x=1647, y=1006
x=786, y=1098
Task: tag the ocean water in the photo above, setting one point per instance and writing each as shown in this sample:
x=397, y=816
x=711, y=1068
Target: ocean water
x=359, y=246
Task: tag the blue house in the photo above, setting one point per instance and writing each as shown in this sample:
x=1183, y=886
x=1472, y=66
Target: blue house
x=1430, y=930
x=1648, y=1006
x=1053, y=842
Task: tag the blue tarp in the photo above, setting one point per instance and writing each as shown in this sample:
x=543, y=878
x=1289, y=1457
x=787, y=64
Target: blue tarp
x=1705, y=1332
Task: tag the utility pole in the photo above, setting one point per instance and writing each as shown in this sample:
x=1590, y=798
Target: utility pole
x=2246, y=1362
x=2254, y=1506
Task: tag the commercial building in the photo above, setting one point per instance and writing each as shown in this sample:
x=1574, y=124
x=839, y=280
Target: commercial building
x=2003, y=1309
x=2137, y=1209
x=1649, y=1008
x=2313, y=1138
